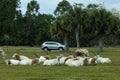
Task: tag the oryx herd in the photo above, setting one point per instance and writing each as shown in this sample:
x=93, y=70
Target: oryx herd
x=79, y=58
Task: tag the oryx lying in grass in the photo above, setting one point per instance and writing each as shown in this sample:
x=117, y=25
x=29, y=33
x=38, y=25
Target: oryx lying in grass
x=43, y=58
x=82, y=52
x=102, y=60
x=19, y=57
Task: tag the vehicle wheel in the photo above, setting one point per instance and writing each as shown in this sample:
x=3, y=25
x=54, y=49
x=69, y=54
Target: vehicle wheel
x=45, y=49
x=61, y=49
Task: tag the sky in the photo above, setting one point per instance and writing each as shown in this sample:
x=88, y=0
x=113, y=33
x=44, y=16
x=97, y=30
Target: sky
x=48, y=6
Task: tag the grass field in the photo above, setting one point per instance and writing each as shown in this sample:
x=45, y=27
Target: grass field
x=40, y=72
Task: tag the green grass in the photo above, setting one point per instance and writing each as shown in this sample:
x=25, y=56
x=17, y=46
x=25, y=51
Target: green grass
x=40, y=72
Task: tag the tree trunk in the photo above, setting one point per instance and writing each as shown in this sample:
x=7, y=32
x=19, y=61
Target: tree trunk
x=77, y=38
x=100, y=45
x=66, y=42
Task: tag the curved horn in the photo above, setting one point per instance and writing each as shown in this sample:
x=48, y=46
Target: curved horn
x=36, y=55
x=19, y=50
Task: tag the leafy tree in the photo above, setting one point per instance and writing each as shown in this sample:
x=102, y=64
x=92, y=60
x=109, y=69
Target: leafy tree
x=43, y=22
x=31, y=13
x=62, y=8
x=32, y=8
x=8, y=10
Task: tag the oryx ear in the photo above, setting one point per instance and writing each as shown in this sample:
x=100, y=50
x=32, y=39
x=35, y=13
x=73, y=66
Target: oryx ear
x=36, y=55
x=19, y=50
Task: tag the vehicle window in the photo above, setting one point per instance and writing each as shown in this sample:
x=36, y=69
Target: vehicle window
x=51, y=43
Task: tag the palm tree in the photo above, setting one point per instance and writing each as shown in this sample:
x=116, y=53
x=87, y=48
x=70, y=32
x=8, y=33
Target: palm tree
x=77, y=16
x=60, y=24
x=101, y=23
x=60, y=28
x=102, y=20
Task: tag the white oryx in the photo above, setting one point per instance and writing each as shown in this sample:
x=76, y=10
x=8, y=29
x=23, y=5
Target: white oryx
x=102, y=60
x=19, y=57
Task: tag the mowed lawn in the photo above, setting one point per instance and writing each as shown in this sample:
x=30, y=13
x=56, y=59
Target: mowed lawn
x=60, y=72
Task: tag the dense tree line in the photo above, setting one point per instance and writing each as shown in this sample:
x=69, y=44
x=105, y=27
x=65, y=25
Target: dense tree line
x=73, y=25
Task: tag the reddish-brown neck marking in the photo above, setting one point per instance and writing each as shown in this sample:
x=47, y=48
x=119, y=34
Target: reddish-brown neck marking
x=0, y=53
x=78, y=53
x=9, y=62
x=85, y=62
x=34, y=61
x=67, y=59
x=93, y=61
x=46, y=57
x=17, y=57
